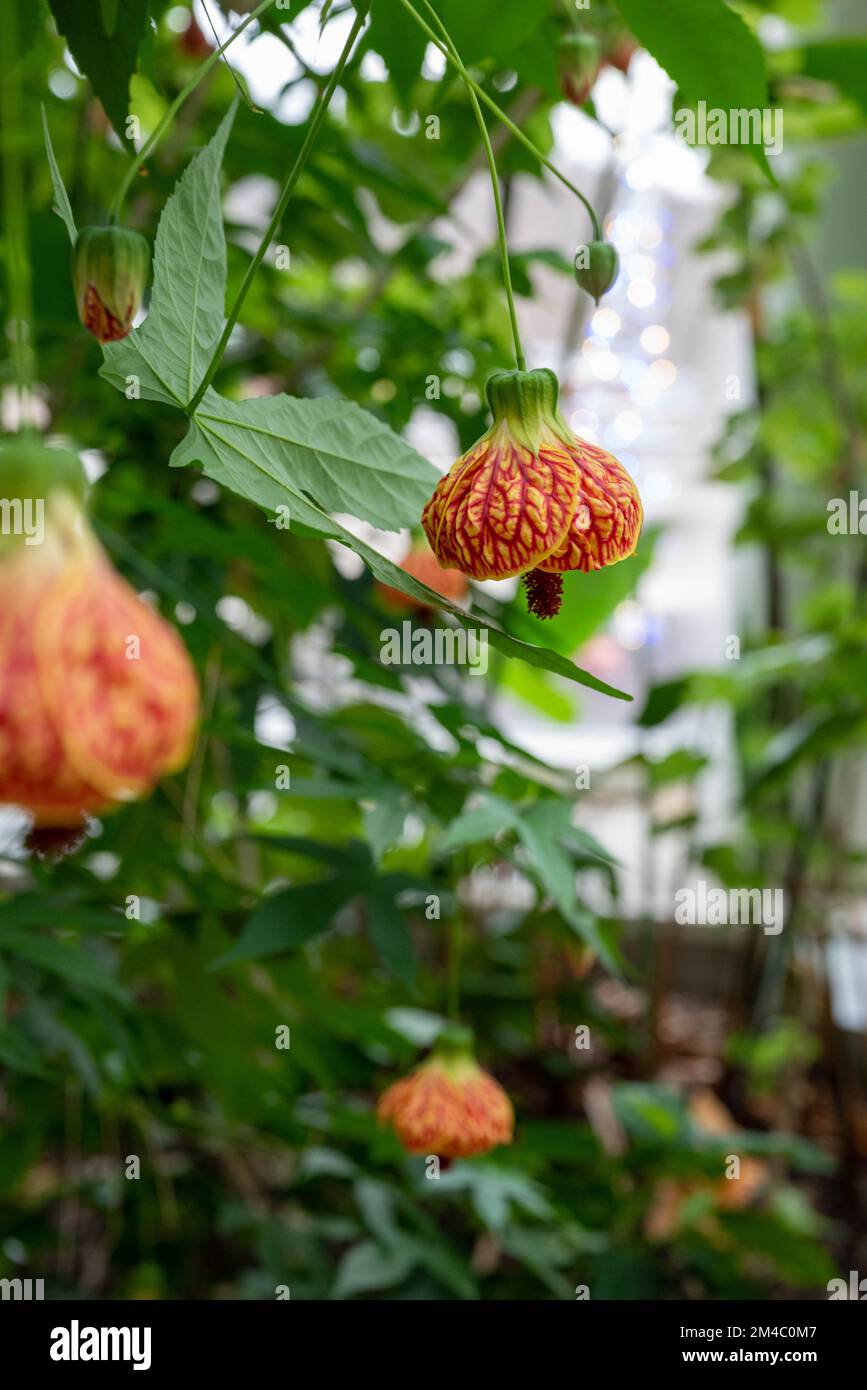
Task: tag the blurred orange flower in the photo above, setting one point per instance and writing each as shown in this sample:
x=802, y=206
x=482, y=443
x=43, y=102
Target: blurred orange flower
x=98, y=697
x=710, y=1117
x=448, y=1106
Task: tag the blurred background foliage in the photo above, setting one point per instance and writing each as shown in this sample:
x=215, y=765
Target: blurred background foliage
x=308, y=906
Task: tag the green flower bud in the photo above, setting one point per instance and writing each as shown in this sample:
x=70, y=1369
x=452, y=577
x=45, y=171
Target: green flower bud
x=110, y=268
x=578, y=57
x=596, y=267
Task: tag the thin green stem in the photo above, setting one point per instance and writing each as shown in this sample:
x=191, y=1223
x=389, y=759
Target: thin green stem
x=495, y=187
x=241, y=87
x=282, y=203
x=501, y=115
x=15, y=210
x=453, y=1001
x=153, y=139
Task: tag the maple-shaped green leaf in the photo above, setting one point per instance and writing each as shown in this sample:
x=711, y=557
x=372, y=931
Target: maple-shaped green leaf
x=226, y=464
x=342, y=456
x=169, y=353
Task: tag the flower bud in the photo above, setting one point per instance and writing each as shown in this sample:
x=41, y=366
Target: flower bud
x=596, y=267
x=98, y=698
x=619, y=50
x=578, y=57
x=110, y=268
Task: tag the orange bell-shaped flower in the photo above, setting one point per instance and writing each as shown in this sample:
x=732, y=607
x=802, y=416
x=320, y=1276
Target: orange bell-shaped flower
x=448, y=1106
x=98, y=697
x=531, y=498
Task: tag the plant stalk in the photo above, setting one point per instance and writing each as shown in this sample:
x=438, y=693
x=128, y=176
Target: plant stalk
x=154, y=138
x=282, y=203
x=495, y=187
x=17, y=260
x=455, y=943
x=501, y=115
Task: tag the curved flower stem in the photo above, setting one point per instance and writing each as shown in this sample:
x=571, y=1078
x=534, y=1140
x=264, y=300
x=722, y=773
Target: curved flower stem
x=154, y=138
x=282, y=202
x=241, y=86
x=501, y=114
x=455, y=942
x=14, y=207
x=495, y=187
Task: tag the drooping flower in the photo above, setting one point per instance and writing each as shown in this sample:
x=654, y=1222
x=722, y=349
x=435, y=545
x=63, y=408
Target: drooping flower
x=530, y=498
x=448, y=1106
x=421, y=564
x=98, y=697
x=110, y=268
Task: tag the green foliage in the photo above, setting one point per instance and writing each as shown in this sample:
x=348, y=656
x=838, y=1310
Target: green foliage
x=146, y=982
x=705, y=47
x=841, y=61
x=61, y=198
x=168, y=355
x=342, y=457
x=105, y=47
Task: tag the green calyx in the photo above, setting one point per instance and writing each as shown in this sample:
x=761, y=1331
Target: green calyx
x=29, y=468
x=115, y=261
x=454, y=1043
x=579, y=53
x=30, y=473
x=527, y=403
x=596, y=267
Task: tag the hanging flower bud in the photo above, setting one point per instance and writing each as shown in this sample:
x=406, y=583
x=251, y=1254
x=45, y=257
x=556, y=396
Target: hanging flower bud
x=98, y=698
x=578, y=56
x=422, y=565
x=619, y=48
x=596, y=267
x=110, y=267
x=448, y=1106
x=531, y=498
